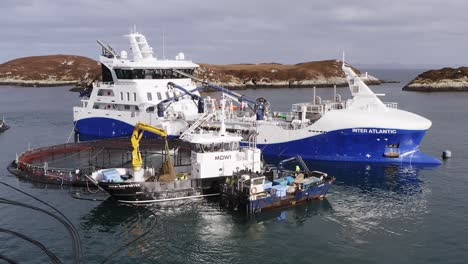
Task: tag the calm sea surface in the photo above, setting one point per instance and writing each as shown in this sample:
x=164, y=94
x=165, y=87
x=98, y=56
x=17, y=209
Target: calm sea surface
x=373, y=214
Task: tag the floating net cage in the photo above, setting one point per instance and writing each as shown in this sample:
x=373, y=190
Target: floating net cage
x=69, y=163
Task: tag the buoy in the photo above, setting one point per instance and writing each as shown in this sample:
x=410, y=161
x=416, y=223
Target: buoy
x=446, y=154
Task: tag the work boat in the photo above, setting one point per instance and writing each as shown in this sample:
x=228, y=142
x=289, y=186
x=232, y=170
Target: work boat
x=361, y=129
x=136, y=90
x=214, y=157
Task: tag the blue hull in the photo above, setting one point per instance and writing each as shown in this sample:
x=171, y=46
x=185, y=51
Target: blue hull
x=340, y=145
x=101, y=128
x=346, y=145
x=272, y=202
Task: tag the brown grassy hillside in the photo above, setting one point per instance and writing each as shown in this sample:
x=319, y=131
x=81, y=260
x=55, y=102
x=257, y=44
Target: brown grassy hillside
x=51, y=69
x=69, y=69
x=307, y=74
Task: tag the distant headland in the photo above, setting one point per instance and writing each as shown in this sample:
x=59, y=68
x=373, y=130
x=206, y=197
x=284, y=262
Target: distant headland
x=446, y=79
x=59, y=70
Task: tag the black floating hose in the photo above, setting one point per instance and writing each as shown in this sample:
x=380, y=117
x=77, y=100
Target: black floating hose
x=51, y=255
x=74, y=231
x=75, y=241
x=9, y=260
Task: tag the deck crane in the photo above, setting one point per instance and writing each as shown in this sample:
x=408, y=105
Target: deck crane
x=295, y=158
x=161, y=108
x=260, y=105
x=137, y=161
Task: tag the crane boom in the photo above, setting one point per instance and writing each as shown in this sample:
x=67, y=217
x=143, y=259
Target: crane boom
x=138, y=132
x=110, y=52
x=260, y=104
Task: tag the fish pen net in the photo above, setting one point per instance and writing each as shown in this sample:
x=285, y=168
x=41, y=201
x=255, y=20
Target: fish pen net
x=66, y=163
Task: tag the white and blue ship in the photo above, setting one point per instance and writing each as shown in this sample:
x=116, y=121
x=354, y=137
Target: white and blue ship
x=360, y=129
x=132, y=90
x=162, y=93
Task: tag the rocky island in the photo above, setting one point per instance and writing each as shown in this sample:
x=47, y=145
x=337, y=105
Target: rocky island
x=274, y=75
x=50, y=70
x=56, y=70
x=446, y=79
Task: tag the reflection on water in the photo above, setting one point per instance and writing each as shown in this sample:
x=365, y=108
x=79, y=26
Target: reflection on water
x=366, y=199
x=373, y=197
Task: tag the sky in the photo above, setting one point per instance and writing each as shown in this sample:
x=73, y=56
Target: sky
x=399, y=33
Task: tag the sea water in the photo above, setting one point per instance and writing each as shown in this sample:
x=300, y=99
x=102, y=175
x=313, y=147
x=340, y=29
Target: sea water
x=374, y=213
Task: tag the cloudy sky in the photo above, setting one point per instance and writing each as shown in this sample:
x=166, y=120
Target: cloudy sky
x=376, y=32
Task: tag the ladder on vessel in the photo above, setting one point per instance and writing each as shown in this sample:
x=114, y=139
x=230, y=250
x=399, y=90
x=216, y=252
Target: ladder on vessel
x=203, y=118
x=302, y=163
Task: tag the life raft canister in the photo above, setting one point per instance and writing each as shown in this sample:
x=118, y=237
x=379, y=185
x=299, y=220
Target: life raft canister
x=253, y=190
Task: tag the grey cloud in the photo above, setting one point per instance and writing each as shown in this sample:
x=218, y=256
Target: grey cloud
x=213, y=31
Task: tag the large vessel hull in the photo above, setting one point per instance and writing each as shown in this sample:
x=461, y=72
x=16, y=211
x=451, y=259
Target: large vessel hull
x=346, y=145
x=101, y=128
x=337, y=145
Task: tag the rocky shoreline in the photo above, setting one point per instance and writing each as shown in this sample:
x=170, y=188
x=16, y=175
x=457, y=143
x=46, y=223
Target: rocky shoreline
x=36, y=83
x=443, y=80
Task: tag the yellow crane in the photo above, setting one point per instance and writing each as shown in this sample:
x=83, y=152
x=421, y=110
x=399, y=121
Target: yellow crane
x=137, y=161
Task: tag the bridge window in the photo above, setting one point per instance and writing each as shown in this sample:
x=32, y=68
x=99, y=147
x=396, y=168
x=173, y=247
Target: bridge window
x=128, y=96
x=150, y=109
x=134, y=97
x=150, y=96
x=121, y=96
x=159, y=96
x=151, y=74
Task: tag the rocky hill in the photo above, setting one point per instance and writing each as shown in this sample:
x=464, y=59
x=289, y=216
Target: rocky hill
x=267, y=75
x=51, y=70
x=446, y=79
x=54, y=70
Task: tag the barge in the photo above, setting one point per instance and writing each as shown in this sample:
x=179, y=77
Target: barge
x=275, y=188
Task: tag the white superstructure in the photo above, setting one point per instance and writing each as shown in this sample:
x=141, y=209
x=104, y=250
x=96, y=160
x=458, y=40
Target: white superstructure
x=130, y=91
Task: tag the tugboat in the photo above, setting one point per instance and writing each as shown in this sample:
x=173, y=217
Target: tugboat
x=214, y=157
x=275, y=188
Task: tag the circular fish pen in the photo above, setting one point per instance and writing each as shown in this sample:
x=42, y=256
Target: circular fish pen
x=68, y=164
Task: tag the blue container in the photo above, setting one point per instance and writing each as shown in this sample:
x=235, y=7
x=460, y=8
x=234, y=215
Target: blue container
x=111, y=175
x=289, y=179
x=281, y=182
x=280, y=190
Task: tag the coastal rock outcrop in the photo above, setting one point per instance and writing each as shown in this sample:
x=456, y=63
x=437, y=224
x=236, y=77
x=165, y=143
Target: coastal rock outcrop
x=446, y=79
x=274, y=75
x=50, y=70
